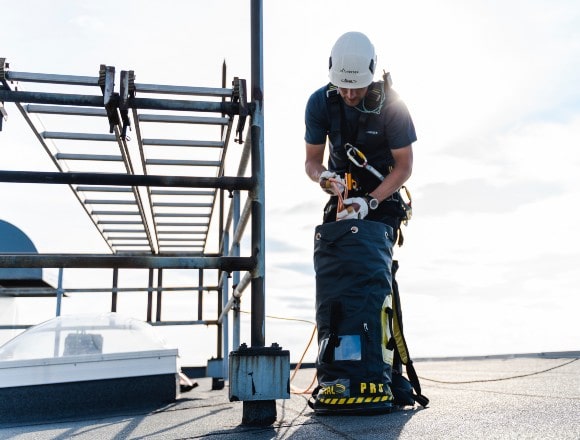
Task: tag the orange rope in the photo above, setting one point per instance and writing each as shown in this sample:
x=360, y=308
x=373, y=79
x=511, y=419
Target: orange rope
x=335, y=182
x=309, y=388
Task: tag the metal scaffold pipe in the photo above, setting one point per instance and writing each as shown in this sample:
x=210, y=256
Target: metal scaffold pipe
x=230, y=108
x=70, y=178
x=100, y=261
x=258, y=337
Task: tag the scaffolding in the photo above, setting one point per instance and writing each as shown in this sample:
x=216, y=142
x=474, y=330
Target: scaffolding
x=151, y=205
x=154, y=196
x=158, y=184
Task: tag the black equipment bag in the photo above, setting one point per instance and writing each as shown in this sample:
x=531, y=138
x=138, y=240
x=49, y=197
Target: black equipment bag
x=352, y=261
x=355, y=317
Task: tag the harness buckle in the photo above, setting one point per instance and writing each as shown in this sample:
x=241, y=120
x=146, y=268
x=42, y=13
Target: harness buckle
x=332, y=91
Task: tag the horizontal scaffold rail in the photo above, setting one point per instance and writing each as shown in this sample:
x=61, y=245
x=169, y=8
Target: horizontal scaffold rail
x=50, y=78
x=106, y=261
x=71, y=178
x=230, y=108
x=183, y=90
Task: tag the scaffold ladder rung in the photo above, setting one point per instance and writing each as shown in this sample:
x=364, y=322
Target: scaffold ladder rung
x=183, y=90
x=50, y=78
x=179, y=214
x=79, y=136
x=115, y=213
x=109, y=202
x=181, y=193
x=64, y=110
x=193, y=163
x=177, y=119
x=103, y=189
x=182, y=143
x=183, y=205
x=181, y=232
x=94, y=157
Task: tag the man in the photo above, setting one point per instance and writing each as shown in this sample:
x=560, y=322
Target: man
x=370, y=135
x=369, y=117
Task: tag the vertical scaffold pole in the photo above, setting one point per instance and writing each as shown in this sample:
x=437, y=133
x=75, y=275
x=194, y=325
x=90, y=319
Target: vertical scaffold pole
x=59, y=291
x=258, y=337
x=258, y=412
x=114, y=290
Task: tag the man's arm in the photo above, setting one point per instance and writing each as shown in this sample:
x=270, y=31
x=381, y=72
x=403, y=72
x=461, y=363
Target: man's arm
x=314, y=158
x=398, y=176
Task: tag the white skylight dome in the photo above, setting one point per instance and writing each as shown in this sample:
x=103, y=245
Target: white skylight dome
x=80, y=335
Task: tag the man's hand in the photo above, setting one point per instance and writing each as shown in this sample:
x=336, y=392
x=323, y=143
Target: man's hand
x=326, y=180
x=355, y=207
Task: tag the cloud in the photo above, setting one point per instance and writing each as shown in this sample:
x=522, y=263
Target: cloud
x=481, y=195
x=302, y=267
x=279, y=246
x=530, y=164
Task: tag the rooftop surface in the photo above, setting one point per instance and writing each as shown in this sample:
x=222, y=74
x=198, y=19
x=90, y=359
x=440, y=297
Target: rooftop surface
x=497, y=397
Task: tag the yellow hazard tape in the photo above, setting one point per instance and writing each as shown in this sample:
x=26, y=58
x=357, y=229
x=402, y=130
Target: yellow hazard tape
x=354, y=400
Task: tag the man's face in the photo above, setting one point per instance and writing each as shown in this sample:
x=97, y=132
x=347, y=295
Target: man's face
x=352, y=97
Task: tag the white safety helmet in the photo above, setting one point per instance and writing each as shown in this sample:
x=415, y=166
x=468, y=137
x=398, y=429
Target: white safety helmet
x=352, y=61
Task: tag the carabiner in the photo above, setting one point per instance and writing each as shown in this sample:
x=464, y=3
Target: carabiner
x=352, y=152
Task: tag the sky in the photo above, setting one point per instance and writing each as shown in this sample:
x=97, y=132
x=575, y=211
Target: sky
x=489, y=260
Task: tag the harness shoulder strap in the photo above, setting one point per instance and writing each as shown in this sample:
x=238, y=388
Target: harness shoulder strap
x=335, y=111
x=371, y=105
x=333, y=100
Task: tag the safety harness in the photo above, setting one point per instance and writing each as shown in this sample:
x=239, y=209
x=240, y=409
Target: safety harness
x=376, y=96
x=379, y=94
